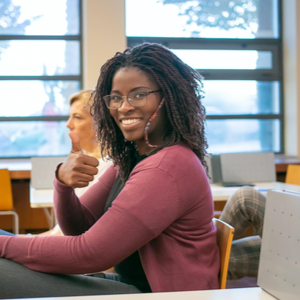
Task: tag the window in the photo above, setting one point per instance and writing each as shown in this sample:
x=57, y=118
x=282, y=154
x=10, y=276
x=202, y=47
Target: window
x=40, y=67
x=236, y=45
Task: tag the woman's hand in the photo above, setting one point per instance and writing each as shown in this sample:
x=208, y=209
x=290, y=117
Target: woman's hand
x=78, y=169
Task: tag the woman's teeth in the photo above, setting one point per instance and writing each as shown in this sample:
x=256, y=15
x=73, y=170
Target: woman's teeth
x=129, y=121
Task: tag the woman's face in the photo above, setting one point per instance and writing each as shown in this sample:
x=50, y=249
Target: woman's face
x=133, y=120
x=80, y=122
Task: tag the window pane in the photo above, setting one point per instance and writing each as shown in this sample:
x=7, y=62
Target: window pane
x=210, y=19
x=19, y=139
x=243, y=135
x=36, y=98
x=31, y=57
x=223, y=97
x=226, y=59
x=39, y=17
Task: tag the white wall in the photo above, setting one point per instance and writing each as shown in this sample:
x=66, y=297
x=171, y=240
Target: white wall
x=291, y=75
x=104, y=35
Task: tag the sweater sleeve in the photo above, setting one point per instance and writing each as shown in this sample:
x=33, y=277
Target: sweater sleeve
x=76, y=216
x=145, y=207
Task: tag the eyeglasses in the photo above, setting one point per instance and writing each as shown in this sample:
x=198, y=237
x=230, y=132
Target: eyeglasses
x=136, y=99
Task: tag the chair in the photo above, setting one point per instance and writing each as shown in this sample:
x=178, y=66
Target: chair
x=293, y=174
x=224, y=241
x=6, y=199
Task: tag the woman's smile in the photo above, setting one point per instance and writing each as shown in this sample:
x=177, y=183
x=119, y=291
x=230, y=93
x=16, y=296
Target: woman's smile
x=130, y=121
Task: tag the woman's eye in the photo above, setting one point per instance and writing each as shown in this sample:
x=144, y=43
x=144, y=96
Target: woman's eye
x=116, y=98
x=140, y=95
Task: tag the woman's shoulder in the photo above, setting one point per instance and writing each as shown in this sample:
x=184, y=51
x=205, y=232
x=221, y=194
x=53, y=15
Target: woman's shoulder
x=173, y=157
x=178, y=149
x=179, y=152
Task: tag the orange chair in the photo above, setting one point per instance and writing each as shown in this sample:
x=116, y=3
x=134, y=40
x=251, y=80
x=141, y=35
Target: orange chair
x=224, y=240
x=6, y=199
x=293, y=174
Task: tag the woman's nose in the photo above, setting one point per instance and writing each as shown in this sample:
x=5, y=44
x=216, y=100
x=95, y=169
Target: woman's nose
x=125, y=106
x=69, y=124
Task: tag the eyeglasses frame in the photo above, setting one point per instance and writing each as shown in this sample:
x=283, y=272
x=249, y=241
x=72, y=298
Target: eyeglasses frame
x=129, y=100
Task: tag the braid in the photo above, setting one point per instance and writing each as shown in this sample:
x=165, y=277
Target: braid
x=181, y=89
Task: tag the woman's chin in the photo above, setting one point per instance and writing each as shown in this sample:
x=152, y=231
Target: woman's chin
x=133, y=137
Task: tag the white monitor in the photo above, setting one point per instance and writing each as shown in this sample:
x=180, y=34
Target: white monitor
x=246, y=168
x=42, y=171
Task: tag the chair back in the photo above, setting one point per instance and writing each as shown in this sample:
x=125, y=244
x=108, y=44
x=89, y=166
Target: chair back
x=293, y=174
x=6, y=199
x=224, y=240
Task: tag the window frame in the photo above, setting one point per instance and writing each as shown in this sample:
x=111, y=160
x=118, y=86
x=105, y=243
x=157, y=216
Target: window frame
x=78, y=78
x=273, y=45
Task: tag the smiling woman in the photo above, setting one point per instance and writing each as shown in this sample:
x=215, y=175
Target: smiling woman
x=149, y=215
x=133, y=115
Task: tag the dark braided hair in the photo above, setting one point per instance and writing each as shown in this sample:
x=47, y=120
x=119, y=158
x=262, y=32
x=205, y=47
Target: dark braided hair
x=181, y=89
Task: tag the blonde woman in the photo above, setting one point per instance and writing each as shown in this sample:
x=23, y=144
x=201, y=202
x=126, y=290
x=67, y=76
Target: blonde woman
x=80, y=123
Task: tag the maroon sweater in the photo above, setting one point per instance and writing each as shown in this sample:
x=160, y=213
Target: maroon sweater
x=164, y=211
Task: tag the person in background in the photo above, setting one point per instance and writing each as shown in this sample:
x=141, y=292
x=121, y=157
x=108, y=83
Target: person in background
x=245, y=208
x=80, y=123
x=151, y=213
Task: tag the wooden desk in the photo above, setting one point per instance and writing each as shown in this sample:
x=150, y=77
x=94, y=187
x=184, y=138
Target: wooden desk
x=18, y=168
x=282, y=161
x=229, y=294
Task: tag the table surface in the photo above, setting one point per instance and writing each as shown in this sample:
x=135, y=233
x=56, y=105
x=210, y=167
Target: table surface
x=41, y=197
x=221, y=193
x=20, y=168
x=227, y=294
x=44, y=197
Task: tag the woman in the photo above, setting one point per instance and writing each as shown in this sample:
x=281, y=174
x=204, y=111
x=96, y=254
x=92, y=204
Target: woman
x=80, y=123
x=150, y=215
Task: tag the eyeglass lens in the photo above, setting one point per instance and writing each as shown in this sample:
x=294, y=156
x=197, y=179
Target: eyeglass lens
x=136, y=98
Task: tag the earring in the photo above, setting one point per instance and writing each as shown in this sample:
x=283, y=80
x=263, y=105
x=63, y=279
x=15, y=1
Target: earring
x=149, y=123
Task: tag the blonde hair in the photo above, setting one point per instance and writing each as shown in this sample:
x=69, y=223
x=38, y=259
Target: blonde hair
x=86, y=98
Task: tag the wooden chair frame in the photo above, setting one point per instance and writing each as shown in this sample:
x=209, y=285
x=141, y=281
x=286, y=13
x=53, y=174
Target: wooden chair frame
x=6, y=199
x=224, y=240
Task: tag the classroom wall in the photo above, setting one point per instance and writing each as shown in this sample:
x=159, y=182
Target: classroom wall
x=104, y=35
x=291, y=75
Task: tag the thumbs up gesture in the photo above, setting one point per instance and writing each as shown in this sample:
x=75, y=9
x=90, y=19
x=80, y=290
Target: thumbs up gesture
x=78, y=169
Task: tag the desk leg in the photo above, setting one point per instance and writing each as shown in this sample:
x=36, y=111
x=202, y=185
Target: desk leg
x=49, y=212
